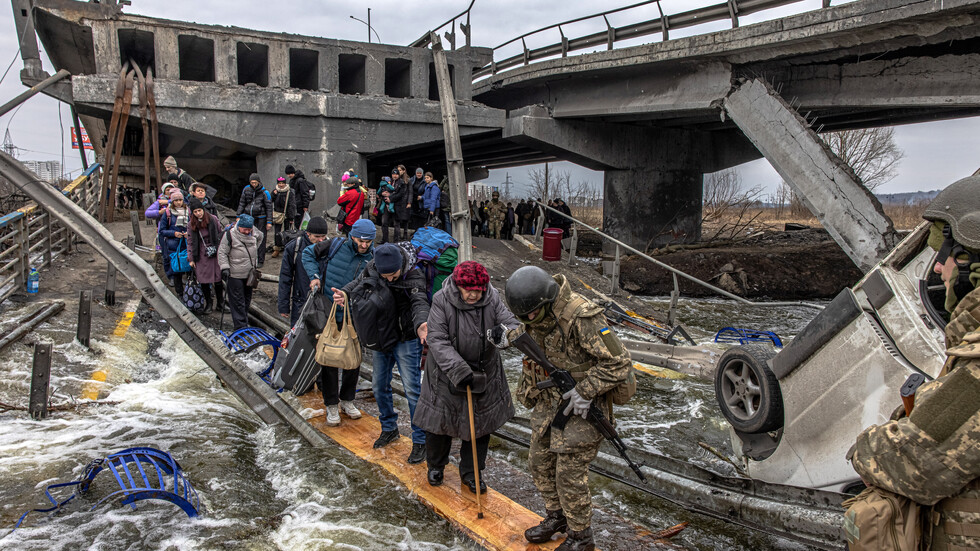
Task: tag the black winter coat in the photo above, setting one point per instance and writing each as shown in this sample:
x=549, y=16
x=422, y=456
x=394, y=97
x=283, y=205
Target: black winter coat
x=400, y=198
x=255, y=204
x=458, y=346
x=282, y=203
x=294, y=282
x=411, y=307
x=302, y=190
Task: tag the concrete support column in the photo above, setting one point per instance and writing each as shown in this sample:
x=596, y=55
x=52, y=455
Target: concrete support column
x=323, y=168
x=24, y=25
x=225, y=60
x=374, y=75
x=329, y=70
x=166, y=53
x=106, y=44
x=278, y=65
x=420, y=74
x=646, y=207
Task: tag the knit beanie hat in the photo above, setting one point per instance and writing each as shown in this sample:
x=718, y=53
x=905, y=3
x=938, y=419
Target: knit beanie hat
x=471, y=275
x=289, y=169
x=280, y=180
x=246, y=221
x=169, y=161
x=194, y=203
x=176, y=194
x=388, y=259
x=317, y=225
x=254, y=177
x=364, y=229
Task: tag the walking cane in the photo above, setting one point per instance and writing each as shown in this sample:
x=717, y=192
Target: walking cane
x=476, y=460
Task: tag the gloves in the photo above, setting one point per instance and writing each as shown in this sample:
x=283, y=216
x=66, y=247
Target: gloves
x=498, y=336
x=466, y=381
x=576, y=404
x=225, y=274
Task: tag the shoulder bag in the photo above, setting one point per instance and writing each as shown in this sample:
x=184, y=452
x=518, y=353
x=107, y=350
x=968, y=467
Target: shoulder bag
x=339, y=347
x=280, y=217
x=178, y=259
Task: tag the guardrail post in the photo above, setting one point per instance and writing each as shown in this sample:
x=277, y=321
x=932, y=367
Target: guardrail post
x=84, y=331
x=615, y=274
x=539, y=230
x=134, y=217
x=23, y=252
x=49, y=224
x=110, y=285
x=674, y=295
x=573, y=246
x=40, y=380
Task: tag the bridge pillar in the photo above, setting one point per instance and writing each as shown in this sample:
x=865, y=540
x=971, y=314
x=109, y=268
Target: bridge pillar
x=322, y=168
x=649, y=207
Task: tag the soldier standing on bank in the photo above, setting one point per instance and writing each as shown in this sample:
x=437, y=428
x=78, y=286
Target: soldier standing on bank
x=496, y=212
x=930, y=456
x=573, y=333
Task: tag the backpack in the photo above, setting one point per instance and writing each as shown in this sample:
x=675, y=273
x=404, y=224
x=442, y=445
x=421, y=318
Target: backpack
x=877, y=519
x=438, y=254
x=370, y=306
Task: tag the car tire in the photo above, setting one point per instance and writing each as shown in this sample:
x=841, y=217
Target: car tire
x=748, y=391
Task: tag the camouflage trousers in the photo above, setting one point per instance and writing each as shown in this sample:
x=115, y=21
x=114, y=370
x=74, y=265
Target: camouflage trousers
x=495, y=226
x=562, y=478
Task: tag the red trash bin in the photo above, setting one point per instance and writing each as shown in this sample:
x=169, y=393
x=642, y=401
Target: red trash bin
x=551, y=249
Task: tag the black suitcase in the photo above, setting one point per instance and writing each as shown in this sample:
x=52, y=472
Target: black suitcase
x=295, y=368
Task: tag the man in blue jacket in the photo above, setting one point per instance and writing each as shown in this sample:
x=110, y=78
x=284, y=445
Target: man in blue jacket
x=294, y=282
x=338, y=263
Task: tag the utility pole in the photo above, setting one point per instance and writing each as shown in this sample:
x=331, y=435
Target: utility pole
x=545, y=198
x=8, y=145
x=507, y=186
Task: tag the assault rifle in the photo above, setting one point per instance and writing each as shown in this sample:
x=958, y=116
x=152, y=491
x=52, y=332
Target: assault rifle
x=563, y=381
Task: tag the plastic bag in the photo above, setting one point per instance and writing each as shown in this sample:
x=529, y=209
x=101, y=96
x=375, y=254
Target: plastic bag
x=306, y=220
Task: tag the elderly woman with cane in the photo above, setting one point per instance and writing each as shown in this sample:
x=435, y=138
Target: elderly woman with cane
x=464, y=389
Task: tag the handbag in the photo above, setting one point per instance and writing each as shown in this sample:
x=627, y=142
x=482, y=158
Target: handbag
x=178, y=260
x=210, y=251
x=339, y=347
x=193, y=297
x=280, y=217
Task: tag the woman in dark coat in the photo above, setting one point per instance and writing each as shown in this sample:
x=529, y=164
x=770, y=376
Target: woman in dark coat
x=204, y=230
x=402, y=199
x=462, y=312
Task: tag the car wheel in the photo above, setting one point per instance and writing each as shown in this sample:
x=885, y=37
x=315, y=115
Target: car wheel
x=747, y=390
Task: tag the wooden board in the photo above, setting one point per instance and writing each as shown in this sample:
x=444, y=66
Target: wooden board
x=504, y=521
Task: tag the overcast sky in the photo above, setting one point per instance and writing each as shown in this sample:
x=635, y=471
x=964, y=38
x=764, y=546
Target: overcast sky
x=936, y=154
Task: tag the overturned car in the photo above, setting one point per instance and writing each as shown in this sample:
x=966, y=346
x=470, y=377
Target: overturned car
x=794, y=414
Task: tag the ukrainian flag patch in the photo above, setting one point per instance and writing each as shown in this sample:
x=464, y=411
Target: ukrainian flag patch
x=604, y=331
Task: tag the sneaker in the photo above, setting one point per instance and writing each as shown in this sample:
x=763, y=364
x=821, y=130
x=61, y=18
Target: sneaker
x=387, y=437
x=350, y=410
x=418, y=454
x=333, y=416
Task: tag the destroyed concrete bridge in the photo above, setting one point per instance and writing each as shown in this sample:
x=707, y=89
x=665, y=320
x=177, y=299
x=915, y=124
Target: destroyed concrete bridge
x=655, y=118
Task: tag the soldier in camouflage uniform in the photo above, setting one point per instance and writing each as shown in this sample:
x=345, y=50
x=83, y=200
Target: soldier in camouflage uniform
x=496, y=213
x=932, y=455
x=573, y=333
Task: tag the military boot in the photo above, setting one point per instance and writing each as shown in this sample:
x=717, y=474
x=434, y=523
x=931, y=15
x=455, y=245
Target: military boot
x=552, y=524
x=578, y=540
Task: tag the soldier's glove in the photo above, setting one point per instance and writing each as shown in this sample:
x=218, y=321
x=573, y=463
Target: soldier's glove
x=576, y=404
x=498, y=336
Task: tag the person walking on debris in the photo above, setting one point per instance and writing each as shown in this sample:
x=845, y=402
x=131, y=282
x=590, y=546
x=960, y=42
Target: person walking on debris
x=283, y=212
x=200, y=192
x=204, y=234
x=255, y=203
x=237, y=255
x=386, y=206
x=430, y=200
x=574, y=335
x=560, y=221
x=184, y=180
x=459, y=357
x=930, y=455
x=338, y=262
x=301, y=188
x=521, y=214
x=401, y=319
x=172, y=232
x=294, y=281
x=496, y=214
x=351, y=203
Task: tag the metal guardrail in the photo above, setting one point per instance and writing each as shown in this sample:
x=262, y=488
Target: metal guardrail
x=425, y=40
x=31, y=238
x=674, y=271
x=729, y=10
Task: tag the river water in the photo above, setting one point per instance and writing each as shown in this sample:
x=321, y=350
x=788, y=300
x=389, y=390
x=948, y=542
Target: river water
x=264, y=488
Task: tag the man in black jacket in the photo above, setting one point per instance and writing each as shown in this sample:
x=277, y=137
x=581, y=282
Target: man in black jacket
x=407, y=312
x=257, y=203
x=302, y=190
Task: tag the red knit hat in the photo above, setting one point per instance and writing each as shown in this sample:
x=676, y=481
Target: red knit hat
x=471, y=275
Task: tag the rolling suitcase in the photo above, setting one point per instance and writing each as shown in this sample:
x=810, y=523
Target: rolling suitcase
x=295, y=368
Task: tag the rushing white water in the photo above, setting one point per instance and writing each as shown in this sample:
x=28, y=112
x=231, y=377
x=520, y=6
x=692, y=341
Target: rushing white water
x=262, y=487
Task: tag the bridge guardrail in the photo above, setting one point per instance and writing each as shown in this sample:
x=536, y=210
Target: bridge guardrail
x=729, y=10
x=30, y=238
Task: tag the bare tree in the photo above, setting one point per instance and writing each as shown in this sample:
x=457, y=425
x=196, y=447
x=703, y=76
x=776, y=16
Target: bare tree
x=871, y=152
x=726, y=204
x=548, y=184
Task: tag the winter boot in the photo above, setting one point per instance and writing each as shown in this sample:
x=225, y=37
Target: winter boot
x=333, y=416
x=578, y=540
x=552, y=524
x=208, y=306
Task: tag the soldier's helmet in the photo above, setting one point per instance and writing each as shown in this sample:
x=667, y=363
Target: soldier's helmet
x=959, y=206
x=495, y=195
x=528, y=289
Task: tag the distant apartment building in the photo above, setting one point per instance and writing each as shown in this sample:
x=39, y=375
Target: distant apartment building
x=48, y=171
x=480, y=192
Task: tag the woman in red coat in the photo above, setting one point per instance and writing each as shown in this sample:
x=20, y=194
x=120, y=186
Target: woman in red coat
x=351, y=203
